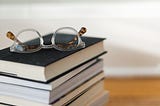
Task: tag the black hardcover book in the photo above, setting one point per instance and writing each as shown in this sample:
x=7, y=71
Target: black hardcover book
x=48, y=63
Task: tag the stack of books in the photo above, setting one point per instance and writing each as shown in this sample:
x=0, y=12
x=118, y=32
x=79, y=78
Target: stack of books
x=54, y=78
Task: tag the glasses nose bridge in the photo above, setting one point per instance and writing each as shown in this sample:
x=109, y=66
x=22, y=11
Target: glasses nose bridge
x=47, y=46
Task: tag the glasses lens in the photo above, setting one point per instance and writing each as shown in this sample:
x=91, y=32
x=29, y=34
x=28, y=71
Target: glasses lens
x=28, y=41
x=66, y=39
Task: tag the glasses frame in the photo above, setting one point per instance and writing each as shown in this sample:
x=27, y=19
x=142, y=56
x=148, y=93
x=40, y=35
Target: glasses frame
x=16, y=43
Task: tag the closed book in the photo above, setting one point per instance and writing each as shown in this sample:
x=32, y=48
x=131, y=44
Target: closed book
x=88, y=95
x=99, y=100
x=61, y=102
x=52, y=84
x=49, y=96
x=45, y=65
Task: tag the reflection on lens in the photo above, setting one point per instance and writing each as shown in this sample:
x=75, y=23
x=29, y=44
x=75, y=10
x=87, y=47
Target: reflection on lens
x=29, y=41
x=66, y=39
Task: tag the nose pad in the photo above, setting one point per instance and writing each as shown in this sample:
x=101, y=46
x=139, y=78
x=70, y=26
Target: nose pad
x=13, y=48
x=17, y=48
x=82, y=45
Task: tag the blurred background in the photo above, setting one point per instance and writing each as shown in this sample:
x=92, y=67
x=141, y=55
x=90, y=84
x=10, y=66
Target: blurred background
x=130, y=26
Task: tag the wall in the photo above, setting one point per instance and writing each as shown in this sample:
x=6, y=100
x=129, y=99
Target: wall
x=131, y=28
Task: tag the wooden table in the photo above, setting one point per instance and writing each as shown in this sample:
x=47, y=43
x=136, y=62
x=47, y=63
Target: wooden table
x=133, y=91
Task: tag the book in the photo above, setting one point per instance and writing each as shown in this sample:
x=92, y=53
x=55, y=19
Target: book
x=99, y=100
x=46, y=96
x=49, y=85
x=88, y=95
x=62, y=101
x=45, y=65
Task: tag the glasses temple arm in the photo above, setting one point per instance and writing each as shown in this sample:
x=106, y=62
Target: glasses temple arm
x=82, y=31
x=11, y=36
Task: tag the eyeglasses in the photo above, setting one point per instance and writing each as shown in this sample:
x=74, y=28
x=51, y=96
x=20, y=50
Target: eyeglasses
x=63, y=39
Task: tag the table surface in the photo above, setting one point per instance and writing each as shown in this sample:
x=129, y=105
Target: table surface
x=133, y=91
